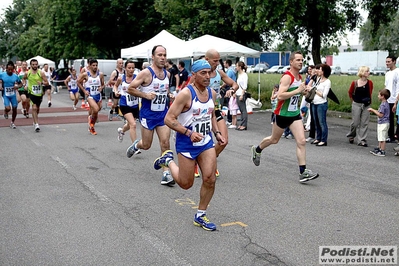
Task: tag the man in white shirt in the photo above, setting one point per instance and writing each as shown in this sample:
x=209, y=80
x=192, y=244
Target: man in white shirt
x=392, y=84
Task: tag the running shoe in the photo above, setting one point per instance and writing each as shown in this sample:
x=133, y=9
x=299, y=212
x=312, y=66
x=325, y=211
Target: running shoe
x=5, y=115
x=164, y=160
x=196, y=171
x=74, y=107
x=12, y=125
x=49, y=104
x=23, y=111
x=92, y=131
x=120, y=134
x=37, y=128
x=255, y=156
x=307, y=175
x=131, y=150
x=396, y=148
x=137, y=152
x=376, y=149
x=27, y=114
x=217, y=174
x=110, y=114
x=167, y=179
x=380, y=153
x=90, y=121
x=204, y=222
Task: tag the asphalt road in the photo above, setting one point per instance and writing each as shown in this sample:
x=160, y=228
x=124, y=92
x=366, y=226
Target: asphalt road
x=69, y=198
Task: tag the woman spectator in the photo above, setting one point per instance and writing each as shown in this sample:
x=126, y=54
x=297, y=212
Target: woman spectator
x=242, y=81
x=320, y=105
x=360, y=93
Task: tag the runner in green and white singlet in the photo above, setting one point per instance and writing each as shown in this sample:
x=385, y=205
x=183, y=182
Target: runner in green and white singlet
x=288, y=115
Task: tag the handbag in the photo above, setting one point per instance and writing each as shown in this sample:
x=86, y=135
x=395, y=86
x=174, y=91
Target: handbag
x=310, y=95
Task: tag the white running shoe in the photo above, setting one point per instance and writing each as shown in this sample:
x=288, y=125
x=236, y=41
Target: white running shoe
x=12, y=125
x=120, y=134
x=37, y=128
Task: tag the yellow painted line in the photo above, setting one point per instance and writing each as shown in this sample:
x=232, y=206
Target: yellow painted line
x=234, y=223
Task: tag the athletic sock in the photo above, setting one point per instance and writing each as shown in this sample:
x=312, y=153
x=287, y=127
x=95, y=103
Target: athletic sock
x=258, y=149
x=200, y=213
x=302, y=168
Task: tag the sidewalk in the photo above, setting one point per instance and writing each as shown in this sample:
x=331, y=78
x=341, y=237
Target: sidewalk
x=60, y=112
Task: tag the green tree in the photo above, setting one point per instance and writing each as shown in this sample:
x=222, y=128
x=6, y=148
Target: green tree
x=317, y=22
x=76, y=28
x=190, y=19
x=382, y=38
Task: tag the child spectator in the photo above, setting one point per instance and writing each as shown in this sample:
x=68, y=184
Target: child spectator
x=382, y=123
x=233, y=108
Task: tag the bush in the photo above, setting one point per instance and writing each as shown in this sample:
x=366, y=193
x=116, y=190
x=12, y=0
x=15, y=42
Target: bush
x=340, y=86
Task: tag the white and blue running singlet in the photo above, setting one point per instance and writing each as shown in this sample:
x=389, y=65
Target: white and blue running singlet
x=197, y=119
x=93, y=85
x=127, y=99
x=157, y=107
x=73, y=84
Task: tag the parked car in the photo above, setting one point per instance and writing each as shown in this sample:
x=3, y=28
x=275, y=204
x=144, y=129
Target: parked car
x=283, y=70
x=260, y=68
x=273, y=69
x=62, y=74
x=352, y=71
x=336, y=70
x=379, y=71
x=250, y=68
x=304, y=70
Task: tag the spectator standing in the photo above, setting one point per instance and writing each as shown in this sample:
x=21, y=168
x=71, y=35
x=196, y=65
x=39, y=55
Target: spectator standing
x=392, y=84
x=320, y=105
x=242, y=81
x=383, y=113
x=233, y=109
x=231, y=73
x=183, y=75
x=174, y=75
x=360, y=92
x=273, y=101
x=310, y=121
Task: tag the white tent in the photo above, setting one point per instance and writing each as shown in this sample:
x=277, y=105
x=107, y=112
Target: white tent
x=200, y=45
x=41, y=60
x=175, y=47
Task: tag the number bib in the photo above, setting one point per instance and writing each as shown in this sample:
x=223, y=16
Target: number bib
x=159, y=102
x=293, y=106
x=204, y=127
x=9, y=91
x=74, y=84
x=131, y=100
x=94, y=90
x=36, y=89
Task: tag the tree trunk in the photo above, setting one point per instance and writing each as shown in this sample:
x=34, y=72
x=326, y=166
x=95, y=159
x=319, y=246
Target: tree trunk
x=316, y=46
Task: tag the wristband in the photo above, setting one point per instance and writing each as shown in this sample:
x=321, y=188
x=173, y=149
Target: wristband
x=189, y=135
x=217, y=132
x=185, y=131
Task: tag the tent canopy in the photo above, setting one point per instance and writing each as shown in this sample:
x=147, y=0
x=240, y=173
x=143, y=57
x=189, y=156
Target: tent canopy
x=175, y=47
x=200, y=45
x=41, y=60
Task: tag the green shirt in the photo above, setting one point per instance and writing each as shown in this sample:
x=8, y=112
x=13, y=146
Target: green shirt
x=34, y=83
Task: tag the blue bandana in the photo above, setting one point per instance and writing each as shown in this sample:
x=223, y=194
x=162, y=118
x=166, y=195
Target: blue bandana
x=200, y=65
